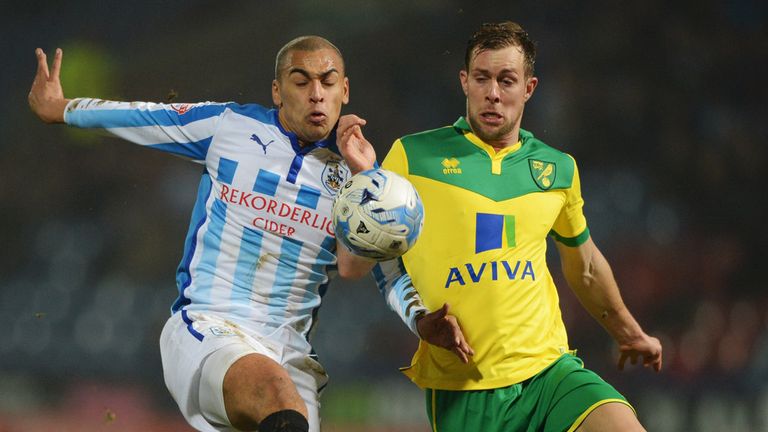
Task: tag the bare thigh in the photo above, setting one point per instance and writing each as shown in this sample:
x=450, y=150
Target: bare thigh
x=256, y=386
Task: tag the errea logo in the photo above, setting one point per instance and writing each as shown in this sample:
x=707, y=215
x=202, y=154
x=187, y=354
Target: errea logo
x=451, y=166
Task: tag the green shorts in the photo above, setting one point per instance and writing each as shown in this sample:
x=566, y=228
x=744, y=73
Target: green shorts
x=557, y=399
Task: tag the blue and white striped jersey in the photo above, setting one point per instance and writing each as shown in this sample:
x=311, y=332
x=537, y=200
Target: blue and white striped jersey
x=260, y=243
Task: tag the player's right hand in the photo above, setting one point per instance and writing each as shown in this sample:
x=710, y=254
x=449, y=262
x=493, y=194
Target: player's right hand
x=443, y=330
x=46, y=98
x=645, y=348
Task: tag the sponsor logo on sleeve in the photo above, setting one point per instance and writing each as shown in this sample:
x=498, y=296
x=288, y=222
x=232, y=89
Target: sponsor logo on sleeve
x=182, y=108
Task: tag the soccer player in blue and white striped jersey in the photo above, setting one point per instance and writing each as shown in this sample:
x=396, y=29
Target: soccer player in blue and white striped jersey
x=260, y=244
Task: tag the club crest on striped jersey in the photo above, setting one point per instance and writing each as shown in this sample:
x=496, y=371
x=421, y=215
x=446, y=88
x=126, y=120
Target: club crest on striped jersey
x=543, y=173
x=181, y=108
x=334, y=175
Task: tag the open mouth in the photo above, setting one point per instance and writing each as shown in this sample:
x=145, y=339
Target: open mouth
x=491, y=117
x=317, y=117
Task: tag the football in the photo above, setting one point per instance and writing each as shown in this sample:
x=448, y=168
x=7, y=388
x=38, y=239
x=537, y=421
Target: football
x=378, y=214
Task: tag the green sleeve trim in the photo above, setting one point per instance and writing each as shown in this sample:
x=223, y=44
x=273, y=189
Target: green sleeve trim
x=571, y=241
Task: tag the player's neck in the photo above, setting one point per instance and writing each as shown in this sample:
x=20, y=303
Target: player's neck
x=287, y=127
x=505, y=141
x=499, y=142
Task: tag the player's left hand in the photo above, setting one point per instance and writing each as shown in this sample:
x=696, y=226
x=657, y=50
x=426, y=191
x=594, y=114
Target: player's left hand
x=647, y=348
x=356, y=150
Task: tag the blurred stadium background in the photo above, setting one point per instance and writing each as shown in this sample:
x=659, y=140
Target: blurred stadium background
x=662, y=104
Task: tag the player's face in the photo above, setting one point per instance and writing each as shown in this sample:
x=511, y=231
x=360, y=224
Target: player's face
x=497, y=88
x=310, y=92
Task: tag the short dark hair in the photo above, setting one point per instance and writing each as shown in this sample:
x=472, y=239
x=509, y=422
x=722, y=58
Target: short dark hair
x=494, y=36
x=303, y=43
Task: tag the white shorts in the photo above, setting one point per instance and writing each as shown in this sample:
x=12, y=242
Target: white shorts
x=197, y=350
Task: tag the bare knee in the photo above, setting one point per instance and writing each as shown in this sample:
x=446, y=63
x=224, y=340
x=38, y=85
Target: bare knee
x=254, y=387
x=612, y=416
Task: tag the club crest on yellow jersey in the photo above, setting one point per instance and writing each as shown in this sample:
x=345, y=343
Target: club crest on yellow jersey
x=543, y=173
x=451, y=166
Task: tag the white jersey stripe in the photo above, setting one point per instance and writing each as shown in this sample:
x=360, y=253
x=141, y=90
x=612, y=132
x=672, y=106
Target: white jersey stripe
x=148, y=135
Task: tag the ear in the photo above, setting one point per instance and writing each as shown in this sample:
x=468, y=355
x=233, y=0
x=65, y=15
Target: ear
x=530, y=86
x=345, y=97
x=276, y=99
x=463, y=77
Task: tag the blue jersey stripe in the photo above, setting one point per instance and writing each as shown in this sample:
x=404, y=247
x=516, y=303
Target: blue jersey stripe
x=293, y=172
x=211, y=248
x=226, y=170
x=183, y=278
x=193, y=150
x=120, y=118
x=247, y=265
x=378, y=276
x=285, y=276
x=401, y=284
x=308, y=197
x=266, y=182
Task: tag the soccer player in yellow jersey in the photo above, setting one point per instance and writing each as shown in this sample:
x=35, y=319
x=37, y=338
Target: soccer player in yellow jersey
x=492, y=195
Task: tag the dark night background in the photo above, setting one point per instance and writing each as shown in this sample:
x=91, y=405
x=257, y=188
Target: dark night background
x=662, y=105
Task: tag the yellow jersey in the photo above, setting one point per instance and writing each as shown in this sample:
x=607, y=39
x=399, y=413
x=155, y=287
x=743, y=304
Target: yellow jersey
x=483, y=251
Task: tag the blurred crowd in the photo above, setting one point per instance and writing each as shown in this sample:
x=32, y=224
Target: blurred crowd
x=662, y=105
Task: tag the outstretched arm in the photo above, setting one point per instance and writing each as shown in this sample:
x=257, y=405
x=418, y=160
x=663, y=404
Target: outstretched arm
x=590, y=277
x=181, y=129
x=46, y=97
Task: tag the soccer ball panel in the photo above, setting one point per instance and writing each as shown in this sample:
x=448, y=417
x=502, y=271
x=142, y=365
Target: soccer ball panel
x=378, y=214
